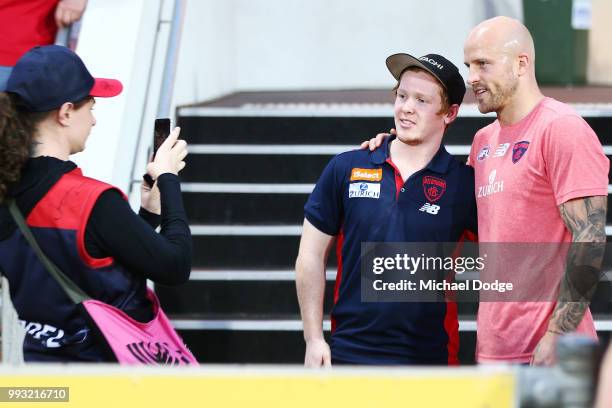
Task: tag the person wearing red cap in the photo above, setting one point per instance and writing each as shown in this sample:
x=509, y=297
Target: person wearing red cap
x=28, y=23
x=84, y=226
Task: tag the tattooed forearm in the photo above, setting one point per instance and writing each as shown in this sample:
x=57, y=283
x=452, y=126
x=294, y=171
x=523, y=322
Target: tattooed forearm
x=567, y=316
x=585, y=218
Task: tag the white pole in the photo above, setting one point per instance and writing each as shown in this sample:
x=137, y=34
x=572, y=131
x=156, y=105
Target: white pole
x=12, y=332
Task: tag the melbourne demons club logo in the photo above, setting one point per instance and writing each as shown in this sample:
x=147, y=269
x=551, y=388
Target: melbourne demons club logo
x=156, y=353
x=433, y=188
x=519, y=150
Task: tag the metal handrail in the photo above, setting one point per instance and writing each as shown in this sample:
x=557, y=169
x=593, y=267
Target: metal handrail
x=168, y=76
x=169, y=73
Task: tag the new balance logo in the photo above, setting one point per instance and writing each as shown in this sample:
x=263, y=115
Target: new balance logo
x=501, y=150
x=430, y=208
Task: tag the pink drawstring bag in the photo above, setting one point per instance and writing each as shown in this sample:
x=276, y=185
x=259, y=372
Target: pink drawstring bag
x=153, y=343
x=133, y=342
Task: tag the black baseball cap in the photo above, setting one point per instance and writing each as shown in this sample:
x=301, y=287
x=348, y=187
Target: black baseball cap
x=444, y=70
x=46, y=77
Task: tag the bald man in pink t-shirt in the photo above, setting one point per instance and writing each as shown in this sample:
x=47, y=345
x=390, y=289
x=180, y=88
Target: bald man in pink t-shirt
x=546, y=159
x=552, y=186
x=541, y=178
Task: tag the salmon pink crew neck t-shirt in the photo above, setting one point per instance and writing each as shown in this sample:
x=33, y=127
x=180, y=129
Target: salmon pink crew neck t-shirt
x=523, y=172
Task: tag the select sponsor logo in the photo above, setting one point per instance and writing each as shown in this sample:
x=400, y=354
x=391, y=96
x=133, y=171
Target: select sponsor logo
x=366, y=174
x=364, y=190
x=493, y=187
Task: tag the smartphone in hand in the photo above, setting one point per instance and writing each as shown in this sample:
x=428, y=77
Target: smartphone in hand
x=161, y=131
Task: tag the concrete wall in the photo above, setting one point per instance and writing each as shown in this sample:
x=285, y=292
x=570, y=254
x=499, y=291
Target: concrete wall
x=254, y=45
x=117, y=40
x=250, y=45
x=207, y=51
x=600, y=52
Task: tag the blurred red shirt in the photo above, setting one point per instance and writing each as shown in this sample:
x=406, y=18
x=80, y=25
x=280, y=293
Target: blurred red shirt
x=25, y=24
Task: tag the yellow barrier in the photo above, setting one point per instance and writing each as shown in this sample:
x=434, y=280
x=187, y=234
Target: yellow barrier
x=252, y=387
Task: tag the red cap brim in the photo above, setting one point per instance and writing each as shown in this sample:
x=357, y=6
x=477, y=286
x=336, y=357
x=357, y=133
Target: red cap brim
x=106, y=88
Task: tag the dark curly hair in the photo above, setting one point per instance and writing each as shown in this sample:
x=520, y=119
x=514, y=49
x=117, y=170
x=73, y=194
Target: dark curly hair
x=17, y=129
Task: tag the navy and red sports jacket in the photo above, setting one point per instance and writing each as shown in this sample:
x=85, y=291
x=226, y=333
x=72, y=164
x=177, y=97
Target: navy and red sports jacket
x=361, y=197
x=56, y=328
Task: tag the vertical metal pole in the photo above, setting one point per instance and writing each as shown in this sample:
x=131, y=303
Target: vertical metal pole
x=174, y=40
